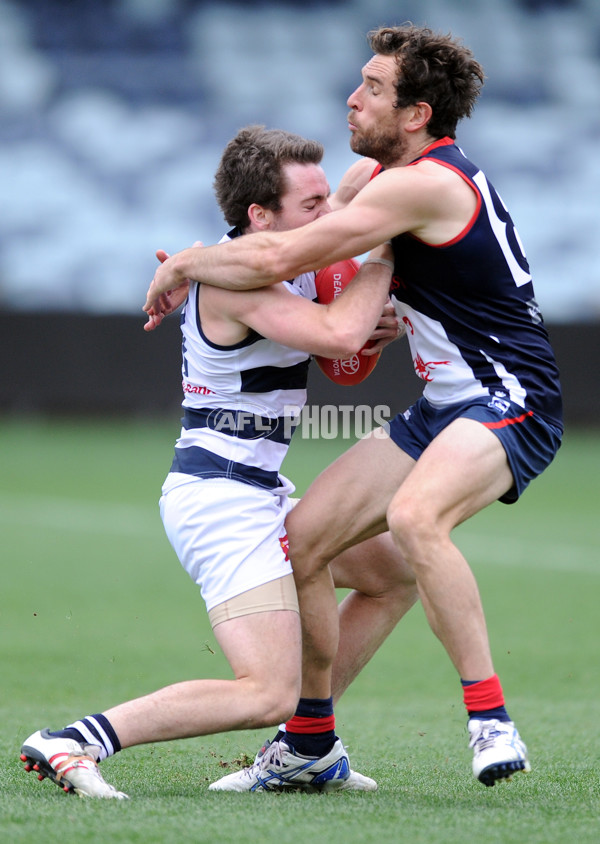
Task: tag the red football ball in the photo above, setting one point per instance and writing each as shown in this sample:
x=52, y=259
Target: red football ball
x=330, y=282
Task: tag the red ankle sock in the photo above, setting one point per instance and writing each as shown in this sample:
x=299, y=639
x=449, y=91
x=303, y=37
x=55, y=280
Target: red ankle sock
x=311, y=730
x=483, y=695
x=297, y=724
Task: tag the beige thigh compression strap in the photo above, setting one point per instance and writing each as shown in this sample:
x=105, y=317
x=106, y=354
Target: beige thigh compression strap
x=278, y=594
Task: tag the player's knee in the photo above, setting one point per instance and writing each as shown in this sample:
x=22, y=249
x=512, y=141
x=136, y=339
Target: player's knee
x=307, y=560
x=412, y=529
x=308, y=546
x=402, y=520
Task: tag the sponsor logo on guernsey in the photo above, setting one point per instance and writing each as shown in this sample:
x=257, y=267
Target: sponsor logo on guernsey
x=285, y=546
x=198, y=389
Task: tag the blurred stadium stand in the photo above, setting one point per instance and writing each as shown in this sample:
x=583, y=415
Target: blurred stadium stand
x=114, y=113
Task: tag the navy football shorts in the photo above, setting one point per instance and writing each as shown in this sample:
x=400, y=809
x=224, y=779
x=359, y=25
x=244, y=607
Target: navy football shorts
x=529, y=441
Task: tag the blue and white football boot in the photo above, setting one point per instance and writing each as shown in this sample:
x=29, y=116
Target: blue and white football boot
x=279, y=768
x=498, y=750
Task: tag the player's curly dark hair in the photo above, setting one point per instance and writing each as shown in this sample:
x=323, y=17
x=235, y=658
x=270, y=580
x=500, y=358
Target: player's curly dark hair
x=432, y=68
x=251, y=170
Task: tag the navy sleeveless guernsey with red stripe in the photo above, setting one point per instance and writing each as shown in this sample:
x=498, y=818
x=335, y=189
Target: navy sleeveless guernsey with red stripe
x=469, y=307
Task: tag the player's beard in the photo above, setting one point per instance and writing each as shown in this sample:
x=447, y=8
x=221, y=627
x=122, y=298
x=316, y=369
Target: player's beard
x=386, y=146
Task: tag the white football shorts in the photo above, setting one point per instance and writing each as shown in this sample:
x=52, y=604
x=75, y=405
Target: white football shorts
x=229, y=536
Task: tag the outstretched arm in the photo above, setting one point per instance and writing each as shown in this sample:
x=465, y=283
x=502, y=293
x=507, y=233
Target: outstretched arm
x=428, y=200
x=264, y=258
x=353, y=180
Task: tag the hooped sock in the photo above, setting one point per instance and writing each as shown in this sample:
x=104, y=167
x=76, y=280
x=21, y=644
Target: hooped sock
x=311, y=730
x=484, y=699
x=95, y=730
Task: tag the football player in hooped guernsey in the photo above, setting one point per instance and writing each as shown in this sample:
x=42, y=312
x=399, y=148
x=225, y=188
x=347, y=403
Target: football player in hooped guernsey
x=224, y=502
x=489, y=420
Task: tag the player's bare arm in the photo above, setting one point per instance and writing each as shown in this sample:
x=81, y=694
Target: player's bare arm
x=353, y=180
x=404, y=199
x=339, y=329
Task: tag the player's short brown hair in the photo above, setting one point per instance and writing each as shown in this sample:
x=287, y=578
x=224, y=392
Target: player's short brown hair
x=251, y=170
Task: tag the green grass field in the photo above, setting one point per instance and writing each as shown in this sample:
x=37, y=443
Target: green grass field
x=94, y=609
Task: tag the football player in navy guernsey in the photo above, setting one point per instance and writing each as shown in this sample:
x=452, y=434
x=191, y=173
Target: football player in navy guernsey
x=224, y=502
x=490, y=416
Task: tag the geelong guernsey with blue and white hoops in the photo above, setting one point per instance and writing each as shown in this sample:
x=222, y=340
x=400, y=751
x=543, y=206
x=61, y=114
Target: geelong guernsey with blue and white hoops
x=241, y=402
x=472, y=321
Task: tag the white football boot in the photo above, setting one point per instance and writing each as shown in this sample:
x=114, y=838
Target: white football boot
x=279, y=768
x=498, y=750
x=68, y=764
